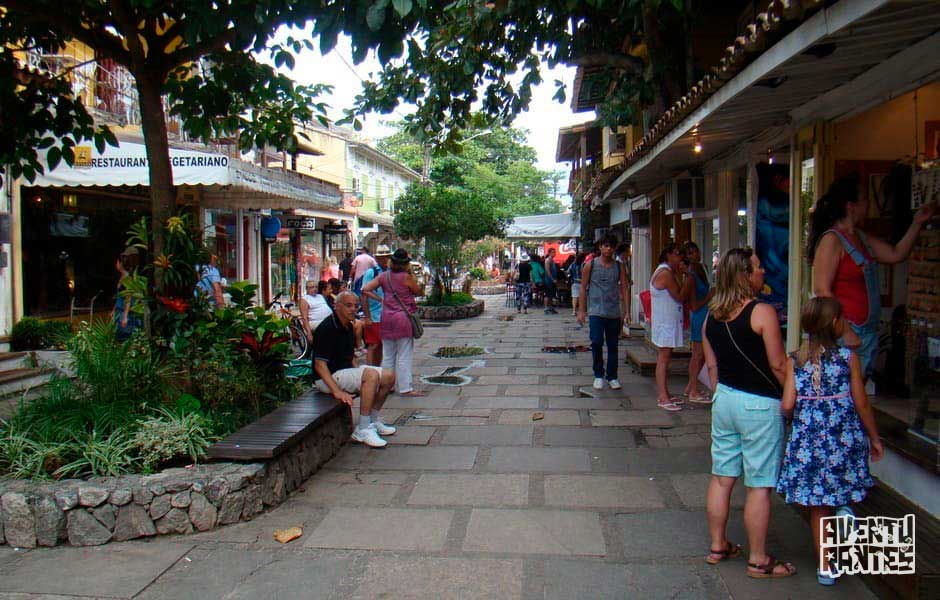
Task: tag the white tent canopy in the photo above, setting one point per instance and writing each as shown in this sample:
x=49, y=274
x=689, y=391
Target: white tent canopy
x=545, y=227
x=228, y=182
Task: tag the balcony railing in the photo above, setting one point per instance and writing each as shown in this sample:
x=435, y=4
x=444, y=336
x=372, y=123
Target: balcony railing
x=103, y=86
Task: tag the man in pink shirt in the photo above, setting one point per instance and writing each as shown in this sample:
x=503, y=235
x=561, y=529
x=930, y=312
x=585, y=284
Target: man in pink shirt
x=362, y=263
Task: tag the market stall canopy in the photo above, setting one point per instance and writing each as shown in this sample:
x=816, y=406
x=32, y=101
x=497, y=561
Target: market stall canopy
x=545, y=227
x=228, y=182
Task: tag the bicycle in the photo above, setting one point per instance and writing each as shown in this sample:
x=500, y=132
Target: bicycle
x=298, y=339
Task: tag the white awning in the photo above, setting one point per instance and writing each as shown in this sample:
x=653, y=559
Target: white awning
x=229, y=182
x=545, y=227
x=376, y=218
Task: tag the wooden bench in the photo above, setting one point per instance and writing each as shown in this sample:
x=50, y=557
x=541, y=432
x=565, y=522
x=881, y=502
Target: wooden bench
x=279, y=430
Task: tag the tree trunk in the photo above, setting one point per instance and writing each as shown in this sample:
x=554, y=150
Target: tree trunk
x=153, y=123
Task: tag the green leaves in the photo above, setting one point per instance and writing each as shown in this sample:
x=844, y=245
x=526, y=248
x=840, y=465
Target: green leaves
x=402, y=7
x=375, y=15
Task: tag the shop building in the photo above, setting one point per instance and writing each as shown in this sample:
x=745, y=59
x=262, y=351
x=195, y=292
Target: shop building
x=811, y=92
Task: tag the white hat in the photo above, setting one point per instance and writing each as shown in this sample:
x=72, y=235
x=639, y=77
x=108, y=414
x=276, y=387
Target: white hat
x=382, y=250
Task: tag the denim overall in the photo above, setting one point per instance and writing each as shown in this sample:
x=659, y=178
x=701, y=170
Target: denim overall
x=867, y=331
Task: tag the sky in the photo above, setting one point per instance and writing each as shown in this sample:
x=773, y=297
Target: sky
x=542, y=120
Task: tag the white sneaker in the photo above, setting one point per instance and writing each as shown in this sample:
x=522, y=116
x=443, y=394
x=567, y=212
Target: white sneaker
x=614, y=384
x=383, y=429
x=598, y=383
x=370, y=437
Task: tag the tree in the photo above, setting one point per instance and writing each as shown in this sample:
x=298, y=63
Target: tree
x=198, y=56
x=445, y=217
x=495, y=164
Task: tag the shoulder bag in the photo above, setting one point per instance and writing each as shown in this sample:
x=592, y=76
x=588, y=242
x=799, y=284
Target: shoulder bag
x=417, y=330
x=772, y=381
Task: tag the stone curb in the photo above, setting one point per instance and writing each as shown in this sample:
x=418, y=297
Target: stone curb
x=181, y=500
x=451, y=313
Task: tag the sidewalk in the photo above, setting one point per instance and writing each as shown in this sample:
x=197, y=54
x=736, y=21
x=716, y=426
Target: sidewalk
x=602, y=498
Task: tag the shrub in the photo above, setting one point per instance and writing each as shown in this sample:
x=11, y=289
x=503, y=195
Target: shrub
x=172, y=435
x=99, y=456
x=478, y=273
x=30, y=333
x=453, y=299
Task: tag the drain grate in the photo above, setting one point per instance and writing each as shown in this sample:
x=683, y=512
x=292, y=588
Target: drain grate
x=449, y=380
x=458, y=351
x=566, y=349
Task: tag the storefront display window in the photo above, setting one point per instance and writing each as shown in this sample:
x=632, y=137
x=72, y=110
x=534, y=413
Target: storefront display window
x=221, y=239
x=311, y=249
x=283, y=272
x=71, y=241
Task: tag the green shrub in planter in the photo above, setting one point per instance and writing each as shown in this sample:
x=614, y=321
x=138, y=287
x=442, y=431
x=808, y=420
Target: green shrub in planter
x=169, y=435
x=30, y=333
x=454, y=299
x=478, y=273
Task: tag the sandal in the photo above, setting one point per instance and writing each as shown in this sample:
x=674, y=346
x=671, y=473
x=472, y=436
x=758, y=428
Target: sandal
x=700, y=399
x=731, y=550
x=768, y=569
x=669, y=406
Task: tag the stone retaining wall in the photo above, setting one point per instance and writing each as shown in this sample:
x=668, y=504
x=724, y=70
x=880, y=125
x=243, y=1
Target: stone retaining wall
x=488, y=289
x=450, y=313
x=184, y=500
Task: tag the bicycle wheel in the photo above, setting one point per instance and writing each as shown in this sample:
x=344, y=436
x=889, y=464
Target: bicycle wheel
x=298, y=342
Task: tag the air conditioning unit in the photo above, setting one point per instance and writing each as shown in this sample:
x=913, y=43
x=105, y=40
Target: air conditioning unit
x=685, y=194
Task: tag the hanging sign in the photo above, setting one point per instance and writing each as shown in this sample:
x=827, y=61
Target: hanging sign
x=301, y=223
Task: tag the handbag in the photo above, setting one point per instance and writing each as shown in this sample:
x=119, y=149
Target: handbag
x=417, y=329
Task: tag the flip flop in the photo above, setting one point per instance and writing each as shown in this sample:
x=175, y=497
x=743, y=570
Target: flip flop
x=700, y=399
x=677, y=400
x=413, y=394
x=732, y=550
x=669, y=406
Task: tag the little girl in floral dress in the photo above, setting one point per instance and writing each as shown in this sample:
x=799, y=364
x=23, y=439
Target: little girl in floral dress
x=826, y=463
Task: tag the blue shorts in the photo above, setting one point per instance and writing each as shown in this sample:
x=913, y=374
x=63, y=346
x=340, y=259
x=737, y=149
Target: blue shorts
x=747, y=437
x=869, y=348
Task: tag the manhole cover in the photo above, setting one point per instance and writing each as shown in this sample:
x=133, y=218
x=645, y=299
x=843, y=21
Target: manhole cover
x=566, y=349
x=451, y=380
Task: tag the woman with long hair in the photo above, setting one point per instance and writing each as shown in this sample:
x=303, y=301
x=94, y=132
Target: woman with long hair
x=747, y=366
x=667, y=295
x=399, y=288
x=699, y=294
x=845, y=261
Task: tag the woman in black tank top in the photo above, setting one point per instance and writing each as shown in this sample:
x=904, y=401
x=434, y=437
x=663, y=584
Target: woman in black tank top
x=746, y=361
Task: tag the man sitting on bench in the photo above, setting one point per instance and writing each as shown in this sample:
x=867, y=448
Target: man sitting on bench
x=338, y=374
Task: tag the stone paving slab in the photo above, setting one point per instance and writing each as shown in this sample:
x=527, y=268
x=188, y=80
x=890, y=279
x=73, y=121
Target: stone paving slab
x=323, y=574
x=121, y=570
x=442, y=578
x=543, y=371
x=330, y=476
x=537, y=390
x=448, y=458
x=410, y=435
x=602, y=491
x=260, y=530
x=472, y=391
x=382, y=529
x=571, y=578
x=347, y=494
x=422, y=402
x=508, y=379
x=507, y=402
x=492, y=435
x=470, y=490
x=650, y=461
x=801, y=585
x=630, y=418
x=692, y=490
x=441, y=417
x=671, y=534
x=610, y=437
x=549, y=417
x=588, y=403
x=550, y=460
x=520, y=531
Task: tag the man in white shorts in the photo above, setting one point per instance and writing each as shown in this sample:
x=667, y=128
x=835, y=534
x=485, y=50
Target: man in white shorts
x=339, y=375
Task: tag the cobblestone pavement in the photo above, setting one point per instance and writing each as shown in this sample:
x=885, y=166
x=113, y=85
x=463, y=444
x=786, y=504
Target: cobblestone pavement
x=600, y=498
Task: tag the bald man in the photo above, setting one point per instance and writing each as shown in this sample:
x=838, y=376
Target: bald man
x=339, y=375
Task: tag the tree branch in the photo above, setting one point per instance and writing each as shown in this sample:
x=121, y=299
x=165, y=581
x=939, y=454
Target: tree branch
x=624, y=62
x=192, y=53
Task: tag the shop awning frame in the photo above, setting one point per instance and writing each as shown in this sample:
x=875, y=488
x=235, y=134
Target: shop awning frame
x=377, y=218
x=558, y=226
x=786, y=87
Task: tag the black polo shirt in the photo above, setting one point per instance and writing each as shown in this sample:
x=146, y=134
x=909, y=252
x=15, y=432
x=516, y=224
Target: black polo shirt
x=334, y=344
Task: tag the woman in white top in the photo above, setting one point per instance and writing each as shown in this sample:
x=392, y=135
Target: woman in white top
x=313, y=309
x=667, y=296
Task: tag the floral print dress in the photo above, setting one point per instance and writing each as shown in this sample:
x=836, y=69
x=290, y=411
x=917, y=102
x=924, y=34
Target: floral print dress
x=826, y=462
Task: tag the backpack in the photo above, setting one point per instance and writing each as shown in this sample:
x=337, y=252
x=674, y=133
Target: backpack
x=357, y=285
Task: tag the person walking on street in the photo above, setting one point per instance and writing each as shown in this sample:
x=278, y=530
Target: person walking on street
x=604, y=287
x=700, y=294
x=345, y=267
x=523, y=284
x=339, y=375
x=667, y=296
x=372, y=307
x=362, y=263
x=623, y=257
x=399, y=288
x=574, y=276
x=551, y=282
x=746, y=366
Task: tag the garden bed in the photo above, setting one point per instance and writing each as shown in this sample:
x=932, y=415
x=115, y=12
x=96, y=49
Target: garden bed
x=450, y=313
x=178, y=500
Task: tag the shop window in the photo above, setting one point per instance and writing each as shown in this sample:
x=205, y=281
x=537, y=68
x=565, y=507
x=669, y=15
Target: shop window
x=282, y=268
x=71, y=241
x=220, y=237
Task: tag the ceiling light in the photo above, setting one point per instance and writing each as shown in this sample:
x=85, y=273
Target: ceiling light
x=697, y=148
x=770, y=156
